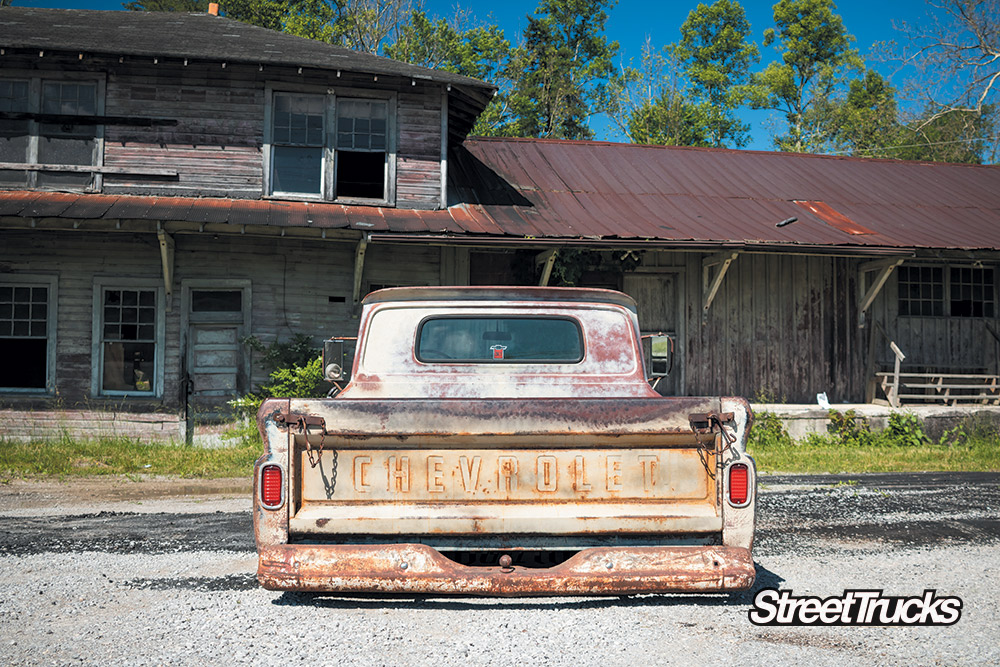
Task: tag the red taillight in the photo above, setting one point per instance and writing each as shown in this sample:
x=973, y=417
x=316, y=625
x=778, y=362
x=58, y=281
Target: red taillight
x=270, y=485
x=739, y=483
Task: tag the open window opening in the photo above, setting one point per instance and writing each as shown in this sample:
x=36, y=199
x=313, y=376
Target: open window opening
x=26, y=337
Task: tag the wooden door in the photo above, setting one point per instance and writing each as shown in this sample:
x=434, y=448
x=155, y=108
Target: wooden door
x=214, y=363
x=657, y=296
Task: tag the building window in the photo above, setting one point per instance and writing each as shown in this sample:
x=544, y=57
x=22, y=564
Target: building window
x=129, y=339
x=47, y=135
x=297, y=144
x=331, y=148
x=971, y=292
x=921, y=290
x=935, y=291
x=27, y=335
x=361, y=149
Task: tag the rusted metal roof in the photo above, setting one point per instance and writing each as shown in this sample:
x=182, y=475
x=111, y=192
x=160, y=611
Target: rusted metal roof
x=604, y=190
x=546, y=192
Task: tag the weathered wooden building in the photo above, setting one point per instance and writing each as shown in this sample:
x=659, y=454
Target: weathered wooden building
x=173, y=183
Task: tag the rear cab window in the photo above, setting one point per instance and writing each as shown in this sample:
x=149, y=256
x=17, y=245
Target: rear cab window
x=504, y=339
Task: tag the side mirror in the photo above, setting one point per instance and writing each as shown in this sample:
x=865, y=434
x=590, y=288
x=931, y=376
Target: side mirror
x=660, y=355
x=333, y=360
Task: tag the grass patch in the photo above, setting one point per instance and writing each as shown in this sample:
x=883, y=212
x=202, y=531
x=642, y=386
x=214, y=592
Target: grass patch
x=852, y=447
x=811, y=457
x=125, y=456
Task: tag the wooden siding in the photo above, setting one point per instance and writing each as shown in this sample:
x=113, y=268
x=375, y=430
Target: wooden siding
x=216, y=146
x=781, y=326
x=418, y=169
x=297, y=286
x=934, y=344
x=53, y=424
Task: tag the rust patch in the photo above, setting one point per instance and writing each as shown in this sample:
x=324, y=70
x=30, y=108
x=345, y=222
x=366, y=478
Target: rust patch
x=419, y=569
x=832, y=217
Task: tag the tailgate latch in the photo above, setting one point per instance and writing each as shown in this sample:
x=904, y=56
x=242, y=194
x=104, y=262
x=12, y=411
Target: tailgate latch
x=303, y=422
x=706, y=422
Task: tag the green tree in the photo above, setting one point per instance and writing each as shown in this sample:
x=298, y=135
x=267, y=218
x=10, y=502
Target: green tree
x=865, y=123
x=561, y=69
x=816, y=52
x=955, y=54
x=649, y=106
x=962, y=135
x=268, y=14
x=716, y=56
x=481, y=51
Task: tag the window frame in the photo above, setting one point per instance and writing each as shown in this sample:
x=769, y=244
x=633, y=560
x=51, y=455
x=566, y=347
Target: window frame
x=35, y=80
x=51, y=281
x=946, y=291
x=97, y=339
x=328, y=168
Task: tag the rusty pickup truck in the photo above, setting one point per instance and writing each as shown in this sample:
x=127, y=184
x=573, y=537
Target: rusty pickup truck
x=503, y=441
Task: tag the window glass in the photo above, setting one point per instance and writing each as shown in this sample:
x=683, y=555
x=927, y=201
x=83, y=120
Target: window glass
x=298, y=119
x=216, y=301
x=14, y=134
x=971, y=292
x=361, y=125
x=921, y=291
x=500, y=340
x=297, y=169
x=129, y=340
x=24, y=331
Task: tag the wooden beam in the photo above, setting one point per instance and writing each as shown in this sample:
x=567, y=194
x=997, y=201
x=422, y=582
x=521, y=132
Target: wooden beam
x=80, y=119
x=359, y=269
x=444, y=149
x=549, y=259
x=885, y=268
x=88, y=168
x=167, y=261
x=710, y=286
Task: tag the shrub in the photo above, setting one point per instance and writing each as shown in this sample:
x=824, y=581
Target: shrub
x=768, y=432
x=296, y=371
x=905, y=430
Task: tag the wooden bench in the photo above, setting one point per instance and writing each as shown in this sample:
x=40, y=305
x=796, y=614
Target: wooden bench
x=937, y=388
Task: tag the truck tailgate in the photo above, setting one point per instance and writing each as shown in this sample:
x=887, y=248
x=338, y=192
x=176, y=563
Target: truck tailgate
x=558, y=467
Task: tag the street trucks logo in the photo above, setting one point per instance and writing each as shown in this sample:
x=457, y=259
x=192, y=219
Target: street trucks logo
x=854, y=607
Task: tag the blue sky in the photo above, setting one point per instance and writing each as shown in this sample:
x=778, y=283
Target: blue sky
x=631, y=21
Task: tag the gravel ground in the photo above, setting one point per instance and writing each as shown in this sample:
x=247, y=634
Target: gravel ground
x=170, y=581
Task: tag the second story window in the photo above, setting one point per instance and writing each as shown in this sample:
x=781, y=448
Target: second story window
x=361, y=148
x=331, y=147
x=49, y=137
x=298, y=144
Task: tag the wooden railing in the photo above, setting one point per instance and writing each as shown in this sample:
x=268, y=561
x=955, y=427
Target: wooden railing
x=939, y=388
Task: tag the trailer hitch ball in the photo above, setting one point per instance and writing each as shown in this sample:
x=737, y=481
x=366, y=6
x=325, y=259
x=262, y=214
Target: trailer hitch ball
x=506, y=563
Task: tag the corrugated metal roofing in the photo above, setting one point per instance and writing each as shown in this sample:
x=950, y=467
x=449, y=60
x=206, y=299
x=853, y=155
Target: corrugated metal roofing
x=595, y=189
x=519, y=190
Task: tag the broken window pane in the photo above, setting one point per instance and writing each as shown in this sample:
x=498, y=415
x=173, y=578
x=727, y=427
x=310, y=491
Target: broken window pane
x=361, y=175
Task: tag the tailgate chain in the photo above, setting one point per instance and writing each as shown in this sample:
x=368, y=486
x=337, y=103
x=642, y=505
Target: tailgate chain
x=711, y=421
x=303, y=422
